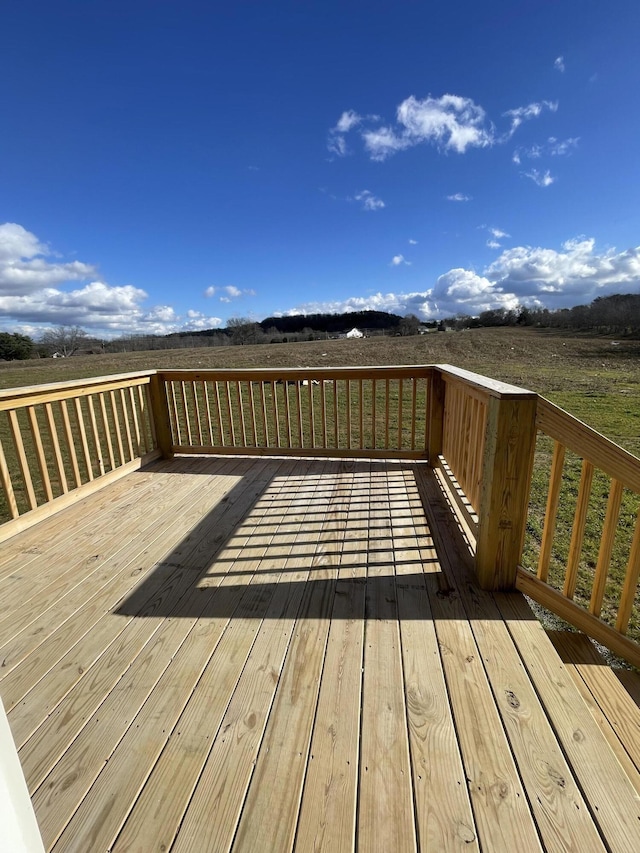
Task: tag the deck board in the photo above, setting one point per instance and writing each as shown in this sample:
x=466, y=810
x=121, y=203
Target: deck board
x=290, y=655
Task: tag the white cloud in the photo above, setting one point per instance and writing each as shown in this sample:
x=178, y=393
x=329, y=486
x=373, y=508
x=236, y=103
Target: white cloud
x=230, y=292
x=542, y=179
x=336, y=142
x=522, y=114
x=522, y=275
x=551, y=148
x=413, y=242
x=459, y=197
x=450, y=122
x=23, y=265
x=369, y=200
x=559, y=63
x=32, y=294
x=347, y=121
x=399, y=260
x=496, y=235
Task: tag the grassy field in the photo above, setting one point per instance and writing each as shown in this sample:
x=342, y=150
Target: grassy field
x=597, y=379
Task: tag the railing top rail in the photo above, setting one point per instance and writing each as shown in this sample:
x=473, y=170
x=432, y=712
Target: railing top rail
x=491, y=387
x=12, y=397
x=273, y=373
x=589, y=444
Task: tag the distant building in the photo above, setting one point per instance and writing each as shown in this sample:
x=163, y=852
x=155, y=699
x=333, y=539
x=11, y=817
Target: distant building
x=355, y=333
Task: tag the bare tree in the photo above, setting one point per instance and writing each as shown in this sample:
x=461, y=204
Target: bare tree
x=64, y=340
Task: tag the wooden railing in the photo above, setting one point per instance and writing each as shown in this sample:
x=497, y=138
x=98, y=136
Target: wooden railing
x=358, y=412
x=592, y=494
x=485, y=456
x=60, y=441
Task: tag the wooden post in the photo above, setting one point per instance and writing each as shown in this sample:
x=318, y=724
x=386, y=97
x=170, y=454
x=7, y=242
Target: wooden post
x=506, y=476
x=435, y=415
x=160, y=414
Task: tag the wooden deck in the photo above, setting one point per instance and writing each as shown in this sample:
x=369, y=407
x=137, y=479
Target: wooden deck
x=230, y=654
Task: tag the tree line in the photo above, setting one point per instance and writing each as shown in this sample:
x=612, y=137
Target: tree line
x=614, y=315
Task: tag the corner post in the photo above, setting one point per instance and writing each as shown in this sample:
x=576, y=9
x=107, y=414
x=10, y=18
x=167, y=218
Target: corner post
x=435, y=415
x=161, y=419
x=507, y=467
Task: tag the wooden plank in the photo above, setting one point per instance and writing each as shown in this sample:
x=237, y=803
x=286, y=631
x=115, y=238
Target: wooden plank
x=31, y=544
x=611, y=797
x=243, y=429
x=158, y=811
x=577, y=534
x=604, y=693
x=213, y=812
x=299, y=374
x=500, y=805
x=209, y=421
x=506, y=474
x=385, y=808
x=60, y=584
x=116, y=423
x=47, y=670
x=83, y=438
x=577, y=616
x=618, y=463
x=227, y=399
x=606, y=547
x=435, y=416
x=143, y=408
x=136, y=424
x=96, y=436
x=328, y=809
x=444, y=818
x=107, y=430
x=127, y=425
x=331, y=453
x=551, y=512
x=57, y=455
x=16, y=435
x=40, y=457
x=51, y=392
x=22, y=523
x=627, y=598
x=486, y=386
x=630, y=679
x=232, y=609
x=7, y=485
x=271, y=807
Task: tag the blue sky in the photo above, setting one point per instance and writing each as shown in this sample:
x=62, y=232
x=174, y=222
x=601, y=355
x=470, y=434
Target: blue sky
x=168, y=165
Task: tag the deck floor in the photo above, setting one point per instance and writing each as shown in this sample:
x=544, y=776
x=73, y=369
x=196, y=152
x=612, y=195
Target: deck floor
x=272, y=655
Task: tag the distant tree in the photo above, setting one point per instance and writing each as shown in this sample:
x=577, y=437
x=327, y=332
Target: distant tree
x=409, y=325
x=65, y=340
x=244, y=331
x=15, y=346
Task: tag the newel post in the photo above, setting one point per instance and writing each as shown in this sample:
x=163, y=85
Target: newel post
x=161, y=419
x=509, y=447
x=435, y=414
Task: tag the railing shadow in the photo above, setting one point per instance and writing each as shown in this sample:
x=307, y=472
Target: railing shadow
x=292, y=535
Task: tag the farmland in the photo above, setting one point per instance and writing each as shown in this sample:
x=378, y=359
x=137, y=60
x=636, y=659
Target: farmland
x=595, y=378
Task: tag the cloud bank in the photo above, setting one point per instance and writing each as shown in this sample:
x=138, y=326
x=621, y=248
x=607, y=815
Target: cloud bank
x=31, y=295
x=523, y=275
x=450, y=123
